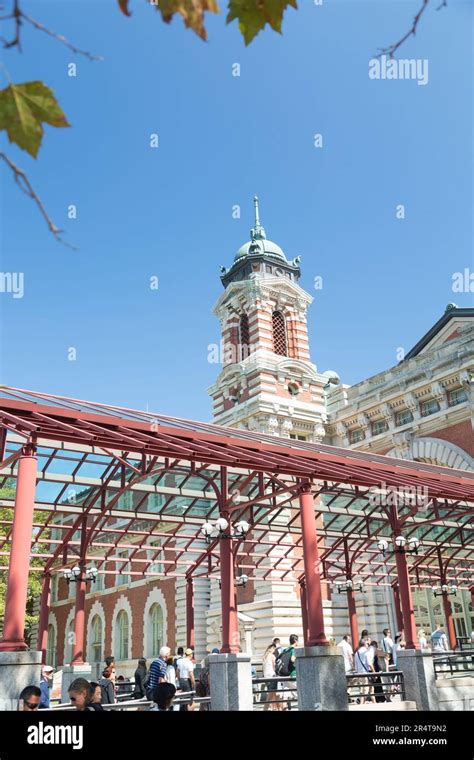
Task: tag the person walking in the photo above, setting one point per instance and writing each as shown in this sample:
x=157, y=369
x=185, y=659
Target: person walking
x=387, y=646
x=363, y=660
x=107, y=685
x=157, y=672
x=422, y=639
x=285, y=666
x=268, y=665
x=171, y=670
x=439, y=640
x=186, y=671
x=139, y=689
x=46, y=682
x=347, y=653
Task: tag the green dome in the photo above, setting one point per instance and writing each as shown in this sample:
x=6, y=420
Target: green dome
x=260, y=246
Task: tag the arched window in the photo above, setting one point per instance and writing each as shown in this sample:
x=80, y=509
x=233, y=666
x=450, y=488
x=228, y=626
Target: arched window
x=51, y=647
x=280, y=343
x=244, y=337
x=96, y=639
x=156, y=629
x=122, y=635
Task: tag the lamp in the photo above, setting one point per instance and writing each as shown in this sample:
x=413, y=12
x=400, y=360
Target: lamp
x=241, y=528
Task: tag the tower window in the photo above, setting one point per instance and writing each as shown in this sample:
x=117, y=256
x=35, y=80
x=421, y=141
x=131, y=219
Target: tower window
x=293, y=389
x=280, y=343
x=244, y=337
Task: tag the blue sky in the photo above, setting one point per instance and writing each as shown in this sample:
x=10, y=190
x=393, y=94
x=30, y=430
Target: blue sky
x=168, y=211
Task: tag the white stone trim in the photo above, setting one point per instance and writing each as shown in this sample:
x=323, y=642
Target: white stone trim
x=69, y=618
x=122, y=604
x=436, y=451
x=96, y=609
x=52, y=620
x=155, y=596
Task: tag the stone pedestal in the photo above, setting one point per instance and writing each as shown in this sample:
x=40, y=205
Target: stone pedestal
x=70, y=673
x=230, y=681
x=17, y=670
x=321, y=679
x=418, y=674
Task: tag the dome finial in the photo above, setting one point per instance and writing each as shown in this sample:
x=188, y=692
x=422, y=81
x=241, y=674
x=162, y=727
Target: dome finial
x=257, y=232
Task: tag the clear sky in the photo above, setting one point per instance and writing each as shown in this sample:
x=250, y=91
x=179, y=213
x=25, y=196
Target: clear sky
x=167, y=212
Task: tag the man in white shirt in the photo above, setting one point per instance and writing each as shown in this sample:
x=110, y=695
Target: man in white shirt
x=387, y=646
x=439, y=640
x=185, y=667
x=347, y=653
x=364, y=664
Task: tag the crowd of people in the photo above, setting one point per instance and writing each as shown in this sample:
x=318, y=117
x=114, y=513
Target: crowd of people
x=167, y=677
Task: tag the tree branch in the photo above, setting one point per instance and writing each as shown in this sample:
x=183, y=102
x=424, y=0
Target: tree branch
x=19, y=16
x=391, y=49
x=25, y=185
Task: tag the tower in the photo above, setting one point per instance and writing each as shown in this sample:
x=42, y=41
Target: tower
x=268, y=382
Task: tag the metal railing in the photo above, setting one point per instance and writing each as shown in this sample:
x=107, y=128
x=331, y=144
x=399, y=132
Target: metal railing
x=383, y=686
x=182, y=698
x=453, y=664
x=465, y=643
x=283, y=697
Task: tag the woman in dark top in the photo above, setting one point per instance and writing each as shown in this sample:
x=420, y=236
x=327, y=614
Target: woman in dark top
x=140, y=676
x=107, y=686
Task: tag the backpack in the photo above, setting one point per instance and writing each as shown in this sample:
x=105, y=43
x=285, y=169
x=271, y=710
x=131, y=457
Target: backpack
x=283, y=663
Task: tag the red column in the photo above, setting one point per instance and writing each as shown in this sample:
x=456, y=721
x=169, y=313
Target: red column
x=44, y=615
x=17, y=588
x=230, y=626
x=314, y=602
x=79, y=618
x=409, y=625
x=448, y=613
x=398, y=609
x=304, y=611
x=353, y=619
x=190, y=613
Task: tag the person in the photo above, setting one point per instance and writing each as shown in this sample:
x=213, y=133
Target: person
x=378, y=661
x=364, y=660
x=179, y=656
x=157, y=672
x=285, y=666
x=278, y=647
x=365, y=635
x=171, y=670
x=268, y=664
x=79, y=694
x=45, y=685
x=397, y=645
x=347, y=653
x=110, y=661
x=29, y=699
x=95, y=696
x=107, y=683
x=139, y=690
x=439, y=640
x=203, y=684
x=163, y=695
x=186, y=671
x=387, y=646
x=422, y=639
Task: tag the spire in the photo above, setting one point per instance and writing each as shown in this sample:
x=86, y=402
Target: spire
x=257, y=232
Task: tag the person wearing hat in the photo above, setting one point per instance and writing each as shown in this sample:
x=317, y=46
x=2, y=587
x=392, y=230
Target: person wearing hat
x=185, y=668
x=46, y=682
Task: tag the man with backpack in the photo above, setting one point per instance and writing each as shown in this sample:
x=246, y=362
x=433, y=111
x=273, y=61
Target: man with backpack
x=285, y=666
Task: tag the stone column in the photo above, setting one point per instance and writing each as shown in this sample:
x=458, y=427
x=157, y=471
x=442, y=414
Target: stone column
x=321, y=679
x=418, y=673
x=230, y=680
x=17, y=670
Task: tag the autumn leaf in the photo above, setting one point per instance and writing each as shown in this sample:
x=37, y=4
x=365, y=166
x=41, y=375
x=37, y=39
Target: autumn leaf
x=252, y=15
x=192, y=12
x=24, y=108
x=123, y=5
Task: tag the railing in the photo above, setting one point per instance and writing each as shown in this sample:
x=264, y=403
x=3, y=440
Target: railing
x=183, y=698
x=383, y=686
x=283, y=697
x=453, y=664
x=465, y=642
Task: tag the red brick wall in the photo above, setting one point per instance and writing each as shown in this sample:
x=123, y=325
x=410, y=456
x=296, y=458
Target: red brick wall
x=461, y=435
x=137, y=598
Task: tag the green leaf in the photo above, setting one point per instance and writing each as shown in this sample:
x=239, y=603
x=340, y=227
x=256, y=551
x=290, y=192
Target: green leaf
x=192, y=12
x=23, y=110
x=252, y=15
